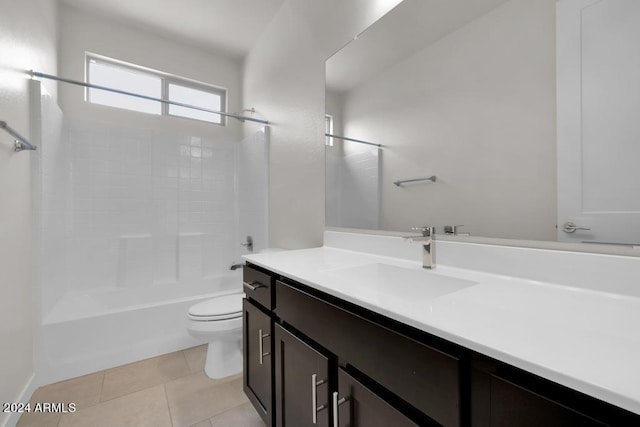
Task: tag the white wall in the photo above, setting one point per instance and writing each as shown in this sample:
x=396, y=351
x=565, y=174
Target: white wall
x=284, y=80
x=477, y=109
x=82, y=32
x=28, y=37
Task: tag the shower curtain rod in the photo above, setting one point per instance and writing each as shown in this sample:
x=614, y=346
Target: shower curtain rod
x=359, y=141
x=137, y=95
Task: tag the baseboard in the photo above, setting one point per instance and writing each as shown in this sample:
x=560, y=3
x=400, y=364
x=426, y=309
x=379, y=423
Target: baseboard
x=24, y=397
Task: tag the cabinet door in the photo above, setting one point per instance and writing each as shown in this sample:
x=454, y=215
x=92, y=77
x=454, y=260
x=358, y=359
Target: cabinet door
x=258, y=372
x=302, y=374
x=497, y=402
x=357, y=406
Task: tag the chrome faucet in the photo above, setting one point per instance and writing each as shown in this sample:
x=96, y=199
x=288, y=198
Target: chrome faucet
x=236, y=266
x=428, y=240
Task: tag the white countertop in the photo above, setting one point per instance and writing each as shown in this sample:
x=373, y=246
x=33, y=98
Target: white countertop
x=585, y=339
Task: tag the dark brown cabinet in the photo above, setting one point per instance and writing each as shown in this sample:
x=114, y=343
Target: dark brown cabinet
x=506, y=396
x=258, y=287
x=315, y=360
x=257, y=373
x=425, y=377
x=301, y=382
x=257, y=340
x=356, y=405
x=304, y=394
x=512, y=405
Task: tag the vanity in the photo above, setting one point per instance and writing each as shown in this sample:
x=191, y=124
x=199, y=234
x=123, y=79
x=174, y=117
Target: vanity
x=346, y=335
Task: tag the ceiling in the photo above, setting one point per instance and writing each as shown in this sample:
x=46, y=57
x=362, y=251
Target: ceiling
x=225, y=26
x=409, y=27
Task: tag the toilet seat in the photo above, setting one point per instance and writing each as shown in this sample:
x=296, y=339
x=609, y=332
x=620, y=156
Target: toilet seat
x=218, y=308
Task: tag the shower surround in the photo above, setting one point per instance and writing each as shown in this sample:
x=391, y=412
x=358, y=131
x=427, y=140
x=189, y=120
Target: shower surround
x=133, y=226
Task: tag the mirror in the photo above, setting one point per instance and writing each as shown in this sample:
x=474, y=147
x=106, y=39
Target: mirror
x=465, y=92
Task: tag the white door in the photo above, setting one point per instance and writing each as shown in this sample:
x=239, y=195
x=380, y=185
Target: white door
x=598, y=85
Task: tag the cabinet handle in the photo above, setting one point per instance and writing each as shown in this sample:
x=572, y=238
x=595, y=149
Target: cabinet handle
x=261, y=337
x=314, y=398
x=253, y=285
x=336, y=403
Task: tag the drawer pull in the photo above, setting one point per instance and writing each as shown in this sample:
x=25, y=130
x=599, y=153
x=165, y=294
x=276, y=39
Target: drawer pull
x=253, y=285
x=314, y=398
x=336, y=403
x=261, y=352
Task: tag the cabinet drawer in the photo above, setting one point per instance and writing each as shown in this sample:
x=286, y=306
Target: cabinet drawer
x=423, y=376
x=257, y=286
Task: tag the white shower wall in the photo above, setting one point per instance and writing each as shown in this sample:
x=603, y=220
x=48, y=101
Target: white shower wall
x=126, y=207
x=148, y=207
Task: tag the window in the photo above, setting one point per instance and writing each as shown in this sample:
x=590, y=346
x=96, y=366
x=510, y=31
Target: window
x=328, y=128
x=154, y=84
x=194, y=96
x=127, y=79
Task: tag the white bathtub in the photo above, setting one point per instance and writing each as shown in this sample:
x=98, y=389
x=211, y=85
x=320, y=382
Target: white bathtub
x=103, y=328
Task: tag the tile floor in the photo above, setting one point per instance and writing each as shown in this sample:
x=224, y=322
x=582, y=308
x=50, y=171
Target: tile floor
x=168, y=390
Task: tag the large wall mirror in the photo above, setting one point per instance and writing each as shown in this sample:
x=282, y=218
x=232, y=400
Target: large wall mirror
x=492, y=117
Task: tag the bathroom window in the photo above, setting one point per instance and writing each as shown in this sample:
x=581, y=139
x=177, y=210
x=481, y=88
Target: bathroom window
x=328, y=128
x=198, y=96
x=154, y=84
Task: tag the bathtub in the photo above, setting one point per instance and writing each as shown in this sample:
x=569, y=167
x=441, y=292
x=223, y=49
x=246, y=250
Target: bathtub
x=91, y=331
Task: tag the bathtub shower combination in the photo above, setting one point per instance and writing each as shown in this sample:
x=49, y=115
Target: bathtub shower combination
x=133, y=227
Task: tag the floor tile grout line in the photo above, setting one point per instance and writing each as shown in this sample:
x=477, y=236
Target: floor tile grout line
x=186, y=361
x=104, y=374
x=166, y=396
x=129, y=393
x=148, y=387
x=225, y=411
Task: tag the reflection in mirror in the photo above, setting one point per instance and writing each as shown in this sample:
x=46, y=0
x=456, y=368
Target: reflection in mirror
x=465, y=91
x=598, y=130
x=352, y=185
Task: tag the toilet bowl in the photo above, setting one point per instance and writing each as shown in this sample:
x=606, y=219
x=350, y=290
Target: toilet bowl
x=218, y=321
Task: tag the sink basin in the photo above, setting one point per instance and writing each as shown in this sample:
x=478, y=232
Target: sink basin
x=392, y=280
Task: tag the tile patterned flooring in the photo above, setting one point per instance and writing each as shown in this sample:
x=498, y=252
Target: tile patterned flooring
x=170, y=390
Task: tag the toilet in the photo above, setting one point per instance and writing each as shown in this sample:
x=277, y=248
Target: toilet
x=219, y=322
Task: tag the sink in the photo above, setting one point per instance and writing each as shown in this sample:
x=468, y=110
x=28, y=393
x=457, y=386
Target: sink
x=419, y=284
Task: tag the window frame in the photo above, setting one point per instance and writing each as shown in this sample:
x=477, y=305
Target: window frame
x=328, y=128
x=166, y=79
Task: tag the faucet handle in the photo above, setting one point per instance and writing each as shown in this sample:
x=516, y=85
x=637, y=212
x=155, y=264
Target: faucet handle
x=426, y=230
x=452, y=230
x=248, y=243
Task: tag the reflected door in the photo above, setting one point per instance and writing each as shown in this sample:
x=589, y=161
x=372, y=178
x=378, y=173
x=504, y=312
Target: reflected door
x=598, y=76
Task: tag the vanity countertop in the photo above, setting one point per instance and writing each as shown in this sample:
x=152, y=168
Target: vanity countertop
x=585, y=339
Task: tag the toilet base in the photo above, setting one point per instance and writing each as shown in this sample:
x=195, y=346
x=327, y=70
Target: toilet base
x=224, y=358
